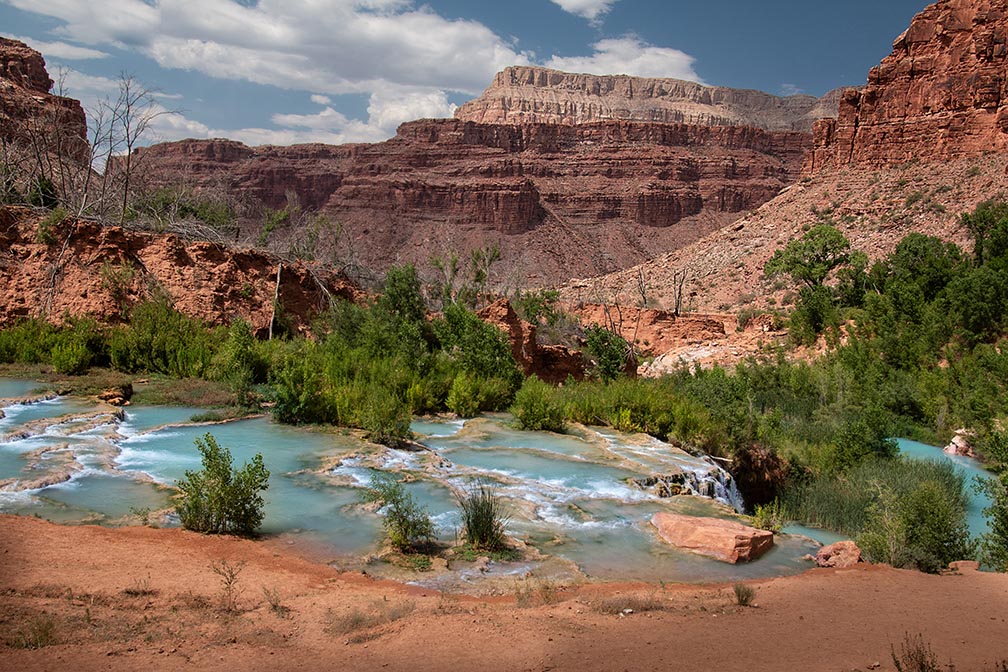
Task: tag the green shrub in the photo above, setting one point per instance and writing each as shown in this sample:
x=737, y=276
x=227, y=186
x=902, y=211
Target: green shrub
x=71, y=356
x=908, y=513
x=743, y=594
x=386, y=418
x=236, y=362
x=769, y=516
x=45, y=233
x=483, y=518
x=220, y=499
x=537, y=408
x=995, y=542
x=407, y=524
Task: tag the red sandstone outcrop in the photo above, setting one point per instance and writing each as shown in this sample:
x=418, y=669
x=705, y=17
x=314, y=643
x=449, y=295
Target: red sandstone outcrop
x=840, y=554
x=26, y=106
x=558, y=200
x=552, y=363
x=529, y=94
x=717, y=538
x=651, y=330
x=941, y=94
x=101, y=270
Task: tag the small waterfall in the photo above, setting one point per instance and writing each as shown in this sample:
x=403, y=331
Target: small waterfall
x=715, y=483
x=705, y=479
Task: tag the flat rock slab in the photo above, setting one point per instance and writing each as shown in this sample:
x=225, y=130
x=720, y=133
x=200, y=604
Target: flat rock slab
x=720, y=539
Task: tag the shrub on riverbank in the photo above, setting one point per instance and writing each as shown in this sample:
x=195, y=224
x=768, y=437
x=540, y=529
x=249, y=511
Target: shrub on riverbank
x=908, y=513
x=407, y=524
x=482, y=518
x=220, y=499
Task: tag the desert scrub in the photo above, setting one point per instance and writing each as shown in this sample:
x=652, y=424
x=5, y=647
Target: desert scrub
x=220, y=499
x=483, y=518
x=407, y=524
x=743, y=594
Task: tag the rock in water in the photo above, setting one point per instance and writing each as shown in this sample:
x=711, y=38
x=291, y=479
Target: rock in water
x=720, y=539
x=839, y=554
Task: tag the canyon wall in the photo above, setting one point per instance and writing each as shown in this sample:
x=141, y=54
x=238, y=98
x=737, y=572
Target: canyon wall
x=559, y=200
x=942, y=94
x=528, y=94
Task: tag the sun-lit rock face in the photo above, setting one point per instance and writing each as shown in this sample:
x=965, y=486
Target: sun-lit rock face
x=26, y=106
x=527, y=94
x=941, y=94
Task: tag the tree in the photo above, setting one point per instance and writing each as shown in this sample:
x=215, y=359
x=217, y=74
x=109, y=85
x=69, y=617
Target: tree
x=220, y=499
x=988, y=225
x=811, y=258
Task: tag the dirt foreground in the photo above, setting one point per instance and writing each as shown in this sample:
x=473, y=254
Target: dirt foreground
x=139, y=598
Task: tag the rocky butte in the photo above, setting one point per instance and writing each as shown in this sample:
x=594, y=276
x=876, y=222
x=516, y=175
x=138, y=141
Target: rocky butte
x=559, y=198
x=523, y=94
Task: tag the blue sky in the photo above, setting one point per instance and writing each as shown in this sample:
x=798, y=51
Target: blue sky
x=286, y=71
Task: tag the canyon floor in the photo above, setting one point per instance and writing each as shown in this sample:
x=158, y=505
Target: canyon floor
x=143, y=598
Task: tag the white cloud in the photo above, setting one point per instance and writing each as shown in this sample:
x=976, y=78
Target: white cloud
x=67, y=52
x=333, y=47
x=629, y=55
x=321, y=100
x=593, y=10
x=789, y=90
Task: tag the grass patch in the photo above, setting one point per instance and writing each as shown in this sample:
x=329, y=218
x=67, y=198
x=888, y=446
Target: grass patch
x=140, y=588
x=532, y=592
x=275, y=602
x=631, y=604
x=483, y=518
x=357, y=622
x=37, y=632
x=184, y=392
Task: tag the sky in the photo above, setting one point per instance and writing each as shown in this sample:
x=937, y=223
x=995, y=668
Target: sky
x=335, y=71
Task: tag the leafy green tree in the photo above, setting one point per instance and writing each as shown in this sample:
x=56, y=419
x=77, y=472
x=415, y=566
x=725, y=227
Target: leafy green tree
x=610, y=351
x=810, y=259
x=220, y=499
x=479, y=348
x=988, y=224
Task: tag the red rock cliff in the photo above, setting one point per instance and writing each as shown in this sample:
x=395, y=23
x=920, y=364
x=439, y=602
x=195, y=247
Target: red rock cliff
x=559, y=200
x=942, y=93
x=527, y=94
x=26, y=106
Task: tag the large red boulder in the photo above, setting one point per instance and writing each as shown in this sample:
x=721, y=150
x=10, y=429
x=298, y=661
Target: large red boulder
x=839, y=554
x=724, y=540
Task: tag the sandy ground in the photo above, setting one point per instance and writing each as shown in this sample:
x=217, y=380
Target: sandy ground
x=141, y=598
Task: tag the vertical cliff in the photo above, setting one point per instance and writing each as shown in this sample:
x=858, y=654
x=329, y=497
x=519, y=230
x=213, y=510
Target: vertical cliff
x=942, y=93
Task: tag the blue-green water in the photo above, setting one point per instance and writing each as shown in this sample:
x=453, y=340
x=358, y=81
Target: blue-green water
x=570, y=496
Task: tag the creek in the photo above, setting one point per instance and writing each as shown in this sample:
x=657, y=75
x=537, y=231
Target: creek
x=574, y=497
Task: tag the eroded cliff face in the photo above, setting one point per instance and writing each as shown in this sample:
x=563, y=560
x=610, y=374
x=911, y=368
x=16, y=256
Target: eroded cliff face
x=26, y=106
x=942, y=93
x=559, y=200
x=87, y=269
x=526, y=94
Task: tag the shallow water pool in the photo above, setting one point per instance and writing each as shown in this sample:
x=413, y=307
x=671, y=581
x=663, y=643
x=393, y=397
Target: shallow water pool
x=572, y=496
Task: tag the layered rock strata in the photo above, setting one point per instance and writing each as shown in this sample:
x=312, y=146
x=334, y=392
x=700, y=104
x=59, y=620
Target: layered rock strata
x=558, y=200
x=528, y=94
x=941, y=94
